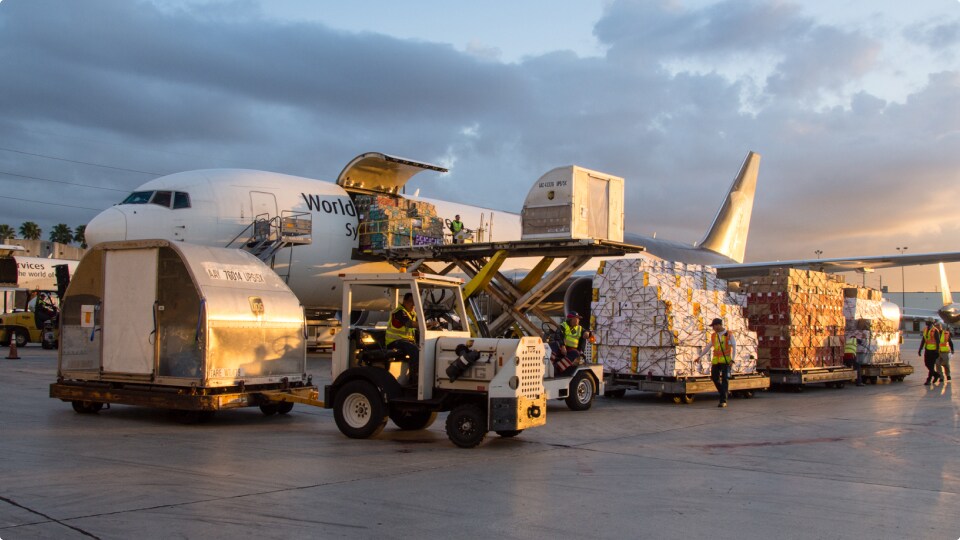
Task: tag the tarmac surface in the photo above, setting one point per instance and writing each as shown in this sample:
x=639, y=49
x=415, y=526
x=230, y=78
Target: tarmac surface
x=880, y=461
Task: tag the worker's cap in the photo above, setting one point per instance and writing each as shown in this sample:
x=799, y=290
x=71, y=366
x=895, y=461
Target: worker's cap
x=716, y=322
x=408, y=296
x=573, y=315
x=929, y=322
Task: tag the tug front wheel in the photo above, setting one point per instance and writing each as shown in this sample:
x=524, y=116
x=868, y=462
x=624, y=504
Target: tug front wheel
x=466, y=426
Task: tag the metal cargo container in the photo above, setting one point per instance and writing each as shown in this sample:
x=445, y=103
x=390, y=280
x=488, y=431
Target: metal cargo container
x=180, y=315
x=573, y=202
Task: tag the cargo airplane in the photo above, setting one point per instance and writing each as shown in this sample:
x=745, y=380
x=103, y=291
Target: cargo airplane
x=214, y=207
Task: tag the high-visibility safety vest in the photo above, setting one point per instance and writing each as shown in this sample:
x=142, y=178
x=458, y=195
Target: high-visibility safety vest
x=929, y=340
x=945, y=341
x=850, y=346
x=456, y=226
x=571, y=336
x=722, y=351
x=404, y=332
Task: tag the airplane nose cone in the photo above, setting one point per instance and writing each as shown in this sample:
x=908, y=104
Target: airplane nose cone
x=107, y=226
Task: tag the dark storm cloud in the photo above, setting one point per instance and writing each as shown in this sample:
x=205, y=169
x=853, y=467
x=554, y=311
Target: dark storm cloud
x=124, y=83
x=938, y=35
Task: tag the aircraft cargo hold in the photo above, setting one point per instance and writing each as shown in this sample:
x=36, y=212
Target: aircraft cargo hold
x=390, y=221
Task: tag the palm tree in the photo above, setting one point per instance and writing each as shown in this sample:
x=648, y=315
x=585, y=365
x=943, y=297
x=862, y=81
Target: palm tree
x=6, y=232
x=30, y=230
x=61, y=233
x=79, y=235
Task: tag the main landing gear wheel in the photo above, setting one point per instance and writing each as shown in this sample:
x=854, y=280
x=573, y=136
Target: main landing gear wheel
x=359, y=411
x=86, y=407
x=466, y=426
x=581, y=393
x=413, y=420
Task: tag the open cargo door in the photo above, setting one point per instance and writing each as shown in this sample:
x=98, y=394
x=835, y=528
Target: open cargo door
x=374, y=172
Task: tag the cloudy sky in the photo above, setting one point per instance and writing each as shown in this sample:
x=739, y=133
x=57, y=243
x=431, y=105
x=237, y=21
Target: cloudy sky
x=854, y=105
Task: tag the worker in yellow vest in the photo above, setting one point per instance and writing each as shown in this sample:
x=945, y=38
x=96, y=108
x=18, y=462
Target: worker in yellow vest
x=455, y=227
x=945, y=349
x=568, y=343
x=723, y=347
x=402, y=334
x=853, y=353
x=930, y=350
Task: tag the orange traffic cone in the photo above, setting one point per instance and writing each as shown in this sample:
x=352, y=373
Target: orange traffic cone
x=12, y=355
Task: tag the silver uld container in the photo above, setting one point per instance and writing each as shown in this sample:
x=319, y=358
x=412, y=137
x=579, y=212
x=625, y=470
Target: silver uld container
x=177, y=314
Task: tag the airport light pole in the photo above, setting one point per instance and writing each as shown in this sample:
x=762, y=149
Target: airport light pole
x=819, y=252
x=903, y=286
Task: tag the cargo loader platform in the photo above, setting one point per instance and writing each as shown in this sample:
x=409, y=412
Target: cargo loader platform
x=482, y=262
x=683, y=389
x=870, y=373
x=831, y=377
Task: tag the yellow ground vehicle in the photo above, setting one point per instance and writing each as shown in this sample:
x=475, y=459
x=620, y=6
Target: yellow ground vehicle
x=26, y=326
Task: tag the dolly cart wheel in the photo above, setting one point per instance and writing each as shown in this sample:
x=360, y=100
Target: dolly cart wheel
x=413, y=420
x=683, y=398
x=466, y=426
x=581, y=393
x=86, y=407
x=359, y=411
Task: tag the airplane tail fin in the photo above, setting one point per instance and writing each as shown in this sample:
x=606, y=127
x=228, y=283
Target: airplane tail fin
x=728, y=234
x=945, y=287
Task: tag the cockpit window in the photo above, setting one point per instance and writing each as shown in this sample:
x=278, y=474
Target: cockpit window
x=138, y=197
x=181, y=200
x=162, y=198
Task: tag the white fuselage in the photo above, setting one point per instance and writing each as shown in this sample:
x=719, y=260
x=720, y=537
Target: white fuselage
x=212, y=207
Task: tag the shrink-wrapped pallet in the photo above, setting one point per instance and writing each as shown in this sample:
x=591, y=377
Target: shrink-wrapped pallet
x=865, y=320
x=798, y=317
x=653, y=318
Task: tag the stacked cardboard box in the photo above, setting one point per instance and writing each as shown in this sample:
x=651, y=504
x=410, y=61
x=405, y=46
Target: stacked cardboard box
x=387, y=221
x=653, y=318
x=798, y=317
x=862, y=308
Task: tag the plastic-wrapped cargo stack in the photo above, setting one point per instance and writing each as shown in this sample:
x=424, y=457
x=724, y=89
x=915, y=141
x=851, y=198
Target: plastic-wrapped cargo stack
x=862, y=308
x=387, y=221
x=653, y=318
x=798, y=317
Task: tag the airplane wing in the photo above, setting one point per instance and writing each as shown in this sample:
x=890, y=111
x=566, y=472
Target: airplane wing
x=858, y=264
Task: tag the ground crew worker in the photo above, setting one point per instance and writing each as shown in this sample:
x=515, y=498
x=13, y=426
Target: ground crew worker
x=566, y=345
x=455, y=227
x=853, y=355
x=724, y=349
x=946, y=349
x=930, y=350
x=402, y=334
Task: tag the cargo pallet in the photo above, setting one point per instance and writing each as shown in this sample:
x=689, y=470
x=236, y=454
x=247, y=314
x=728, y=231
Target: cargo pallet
x=189, y=404
x=897, y=372
x=831, y=377
x=683, y=389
